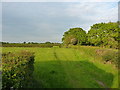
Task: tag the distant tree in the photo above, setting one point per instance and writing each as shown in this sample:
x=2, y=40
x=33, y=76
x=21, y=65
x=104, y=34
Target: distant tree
x=47, y=42
x=29, y=42
x=24, y=42
x=74, y=36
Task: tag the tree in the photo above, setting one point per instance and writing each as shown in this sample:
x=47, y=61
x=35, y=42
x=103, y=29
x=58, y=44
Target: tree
x=104, y=34
x=74, y=36
x=70, y=39
x=47, y=42
x=24, y=42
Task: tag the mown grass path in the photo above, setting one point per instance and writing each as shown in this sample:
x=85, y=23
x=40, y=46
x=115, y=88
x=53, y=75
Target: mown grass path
x=69, y=68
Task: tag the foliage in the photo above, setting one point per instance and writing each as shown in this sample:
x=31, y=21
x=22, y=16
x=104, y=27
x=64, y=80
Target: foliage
x=41, y=45
x=111, y=56
x=100, y=34
x=105, y=55
x=17, y=69
x=74, y=36
x=104, y=34
x=47, y=42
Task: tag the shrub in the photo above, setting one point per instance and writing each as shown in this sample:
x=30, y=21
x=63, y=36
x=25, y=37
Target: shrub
x=111, y=56
x=17, y=69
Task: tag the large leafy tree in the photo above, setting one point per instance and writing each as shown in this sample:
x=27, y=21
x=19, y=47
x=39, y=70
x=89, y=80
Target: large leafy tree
x=74, y=36
x=104, y=34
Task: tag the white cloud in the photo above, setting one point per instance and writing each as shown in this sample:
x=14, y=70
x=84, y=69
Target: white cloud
x=94, y=11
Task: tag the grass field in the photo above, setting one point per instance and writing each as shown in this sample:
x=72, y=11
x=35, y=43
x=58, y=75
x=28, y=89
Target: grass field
x=70, y=68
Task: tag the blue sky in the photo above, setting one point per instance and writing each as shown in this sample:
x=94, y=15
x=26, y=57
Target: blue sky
x=47, y=21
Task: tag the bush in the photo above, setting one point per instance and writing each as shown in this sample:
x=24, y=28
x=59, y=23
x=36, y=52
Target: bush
x=17, y=69
x=111, y=56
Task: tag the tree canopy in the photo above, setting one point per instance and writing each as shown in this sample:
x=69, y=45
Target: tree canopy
x=100, y=34
x=74, y=36
x=104, y=34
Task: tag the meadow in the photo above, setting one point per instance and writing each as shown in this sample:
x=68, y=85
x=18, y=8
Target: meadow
x=69, y=68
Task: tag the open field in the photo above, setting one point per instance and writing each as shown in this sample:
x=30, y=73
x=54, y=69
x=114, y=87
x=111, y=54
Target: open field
x=70, y=68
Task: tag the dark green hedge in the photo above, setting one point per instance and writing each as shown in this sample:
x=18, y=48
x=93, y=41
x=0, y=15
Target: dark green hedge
x=17, y=69
x=41, y=45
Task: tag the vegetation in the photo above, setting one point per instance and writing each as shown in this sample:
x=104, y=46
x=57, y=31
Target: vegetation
x=111, y=57
x=105, y=55
x=17, y=69
x=74, y=36
x=104, y=34
x=71, y=68
x=76, y=66
x=30, y=44
x=101, y=34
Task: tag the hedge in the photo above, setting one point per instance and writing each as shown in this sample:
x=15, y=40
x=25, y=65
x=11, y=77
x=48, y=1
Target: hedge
x=17, y=69
x=42, y=45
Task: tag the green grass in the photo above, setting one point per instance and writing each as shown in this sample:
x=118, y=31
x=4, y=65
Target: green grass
x=70, y=68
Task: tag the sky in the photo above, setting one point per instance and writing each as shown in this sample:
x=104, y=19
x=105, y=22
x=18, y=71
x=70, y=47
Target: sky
x=0, y=21
x=59, y=0
x=47, y=21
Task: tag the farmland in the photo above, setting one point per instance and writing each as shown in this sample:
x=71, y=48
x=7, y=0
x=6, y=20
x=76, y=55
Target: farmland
x=59, y=44
x=70, y=68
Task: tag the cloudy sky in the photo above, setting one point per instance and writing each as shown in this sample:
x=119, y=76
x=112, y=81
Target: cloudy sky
x=47, y=21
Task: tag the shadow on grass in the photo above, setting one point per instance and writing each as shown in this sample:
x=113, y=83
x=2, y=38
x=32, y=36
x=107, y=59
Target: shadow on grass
x=71, y=74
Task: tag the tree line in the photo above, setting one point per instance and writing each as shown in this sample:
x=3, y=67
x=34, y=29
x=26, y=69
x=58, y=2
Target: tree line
x=100, y=34
x=30, y=44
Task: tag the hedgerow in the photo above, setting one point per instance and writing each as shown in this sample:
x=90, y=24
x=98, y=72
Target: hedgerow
x=41, y=45
x=17, y=69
